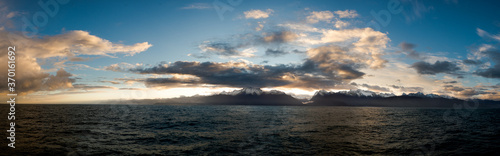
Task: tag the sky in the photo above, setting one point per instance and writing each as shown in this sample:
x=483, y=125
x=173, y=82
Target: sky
x=71, y=51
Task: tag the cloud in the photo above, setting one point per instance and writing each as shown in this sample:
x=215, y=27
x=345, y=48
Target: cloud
x=32, y=78
x=78, y=59
x=493, y=72
x=373, y=87
x=90, y=87
x=326, y=66
x=472, y=62
x=341, y=24
x=121, y=67
x=410, y=50
x=198, y=6
x=112, y=82
x=438, y=67
x=275, y=53
x=239, y=74
x=447, y=82
x=6, y=16
x=279, y=37
x=483, y=54
x=75, y=43
x=468, y=92
x=257, y=14
x=223, y=49
x=316, y=17
x=64, y=47
x=408, y=89
x=59, y=81
x=366, y=42
x=296, y=51
x=347, y=13
x=314, y=73
x=260, y=26
x=487, y=35
x=417, y=10
x=301, y=27
x=243, y=45
x=173, y=82
x=337, y=61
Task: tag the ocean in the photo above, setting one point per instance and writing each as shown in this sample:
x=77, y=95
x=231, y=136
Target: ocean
x=250, y=130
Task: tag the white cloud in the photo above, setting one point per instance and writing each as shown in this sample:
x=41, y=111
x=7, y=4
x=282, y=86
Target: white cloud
x=76, y=43
x=257, y=14
x=300, y=27
x=316, y=17
x=485, y=34
x=341, y=24
x=364, y=40
x=347, y=13
x=260, y=26
x=249, y=52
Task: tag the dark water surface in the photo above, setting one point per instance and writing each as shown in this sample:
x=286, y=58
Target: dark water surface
x=250, y=130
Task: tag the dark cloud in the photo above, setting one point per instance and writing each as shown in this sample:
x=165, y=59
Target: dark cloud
x=235, y=45
x=238, y=74
x=447, y=82
x=453, y=88
x=90, y=87
x=279, y=37
x=493, y=72
x=221, y=49
x=279, y=52
x=322, y=69
x=408, y=89
x=407, y=46
x=171, y=82
x=438, y=67
x=410, y=50
x=275, y=53
x=308, y=75
x=493, y=54
x=466, y=92
x=472, y=62
x=296, y=51
x=326, y=67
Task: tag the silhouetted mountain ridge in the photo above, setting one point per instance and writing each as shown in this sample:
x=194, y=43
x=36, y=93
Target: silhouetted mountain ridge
x=368, y=98
x=255, y=96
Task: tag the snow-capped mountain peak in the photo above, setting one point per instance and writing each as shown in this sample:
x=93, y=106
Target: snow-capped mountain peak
x=357, y=93
x=244, y=91
x=252, y=91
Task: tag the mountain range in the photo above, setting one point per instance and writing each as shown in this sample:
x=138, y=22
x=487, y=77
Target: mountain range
x=255, y=96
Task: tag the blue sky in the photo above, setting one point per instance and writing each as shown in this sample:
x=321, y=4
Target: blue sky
x=422, y=48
